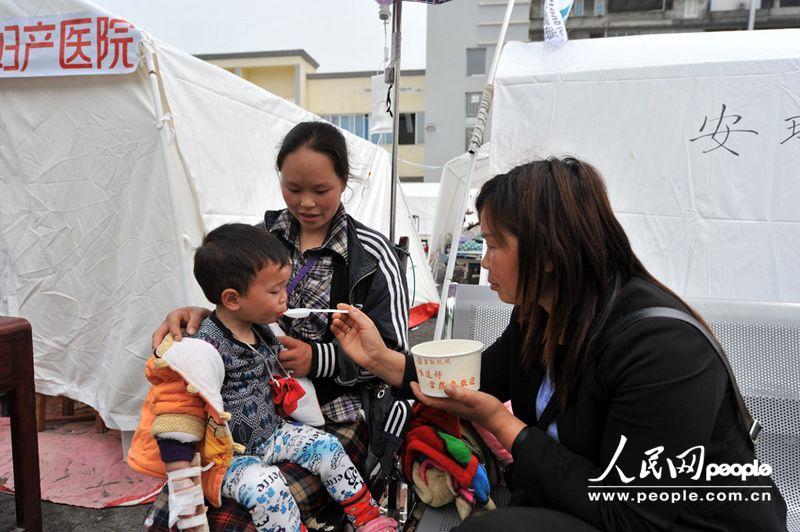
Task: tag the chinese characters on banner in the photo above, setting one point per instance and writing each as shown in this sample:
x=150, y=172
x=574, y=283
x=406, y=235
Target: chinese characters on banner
x=67, y=45
x=722, y=132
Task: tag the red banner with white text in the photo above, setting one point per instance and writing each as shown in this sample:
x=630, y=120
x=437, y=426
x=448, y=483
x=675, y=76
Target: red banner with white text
x=67, y=45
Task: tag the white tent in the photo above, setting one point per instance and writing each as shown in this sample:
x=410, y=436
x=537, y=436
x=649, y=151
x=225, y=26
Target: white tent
x=103, y=199
x=718, y=222
x=422, y=200
x=452, y=187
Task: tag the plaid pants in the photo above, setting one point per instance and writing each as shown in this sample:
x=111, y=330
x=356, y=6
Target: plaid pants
x=306, y=488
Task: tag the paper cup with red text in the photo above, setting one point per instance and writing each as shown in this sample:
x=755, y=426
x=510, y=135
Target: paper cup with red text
x=442, y=362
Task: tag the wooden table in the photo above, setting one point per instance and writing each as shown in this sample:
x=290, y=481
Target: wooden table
x=16, y=379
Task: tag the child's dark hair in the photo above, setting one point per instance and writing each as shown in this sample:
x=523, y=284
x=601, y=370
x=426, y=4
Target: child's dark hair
x=232, y=255
x=320, y=137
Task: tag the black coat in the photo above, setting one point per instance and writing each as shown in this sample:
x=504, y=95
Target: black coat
x=371, y=279
x=659, y=383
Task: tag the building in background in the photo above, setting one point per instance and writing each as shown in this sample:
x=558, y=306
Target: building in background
x=462, y=37
x=343, y=98
x=614, y=18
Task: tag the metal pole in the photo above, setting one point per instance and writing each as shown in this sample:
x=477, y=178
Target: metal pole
x=751, y=21
x=474, y=145
x=396, y=18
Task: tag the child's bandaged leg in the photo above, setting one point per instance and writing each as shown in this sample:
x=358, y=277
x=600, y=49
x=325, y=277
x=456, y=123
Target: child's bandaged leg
x=186, y=504
x=323, y=454
x=261, y=489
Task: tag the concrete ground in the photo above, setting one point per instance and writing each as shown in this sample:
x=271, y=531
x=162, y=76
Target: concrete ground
x=63, y=518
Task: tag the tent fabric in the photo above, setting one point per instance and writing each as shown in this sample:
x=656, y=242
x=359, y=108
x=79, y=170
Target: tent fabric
x=248, y=161
x=422, y=200
x=102, y=203
x=86, y=222
x=3, y=276
x=708, y=222
x=452, y=187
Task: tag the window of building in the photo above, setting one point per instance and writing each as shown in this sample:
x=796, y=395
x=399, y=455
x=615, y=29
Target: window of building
x=412, y=130
x=599, y=8
x=476, y=61
x=473, y=104
x=361, y=128
x=382, y=138
x=407, y=130
x=789, y=3
x=577, y=8
x=619, y=6
x=358, y=123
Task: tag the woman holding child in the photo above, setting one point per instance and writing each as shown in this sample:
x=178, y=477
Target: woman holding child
x=224, y=418
x=600, y=401
x=333, y=259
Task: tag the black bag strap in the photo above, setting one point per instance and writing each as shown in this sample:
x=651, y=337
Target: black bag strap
x=751, y=425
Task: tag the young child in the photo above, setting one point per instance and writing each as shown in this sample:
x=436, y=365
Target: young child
x=244, y=271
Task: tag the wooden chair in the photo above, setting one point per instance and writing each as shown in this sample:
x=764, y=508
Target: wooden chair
x=68, y=413
x=16, y=379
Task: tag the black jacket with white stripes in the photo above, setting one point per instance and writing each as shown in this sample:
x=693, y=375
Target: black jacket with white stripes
x=372, y=279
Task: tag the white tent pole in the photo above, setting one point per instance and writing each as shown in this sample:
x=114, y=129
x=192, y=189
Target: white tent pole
x=475, y=143
x=397, y=12
x=176, y=223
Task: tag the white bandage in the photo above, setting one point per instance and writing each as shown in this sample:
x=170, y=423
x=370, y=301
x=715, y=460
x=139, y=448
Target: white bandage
x=185, y=495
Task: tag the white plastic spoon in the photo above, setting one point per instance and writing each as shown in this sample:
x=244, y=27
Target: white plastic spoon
x=296, y=313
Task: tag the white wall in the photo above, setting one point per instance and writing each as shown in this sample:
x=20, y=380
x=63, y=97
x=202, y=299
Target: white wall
x=728, y=5
x=452, y=29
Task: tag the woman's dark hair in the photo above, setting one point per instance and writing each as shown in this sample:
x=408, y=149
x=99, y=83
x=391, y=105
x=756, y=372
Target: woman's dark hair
x=320, y=137
x=560, y=213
